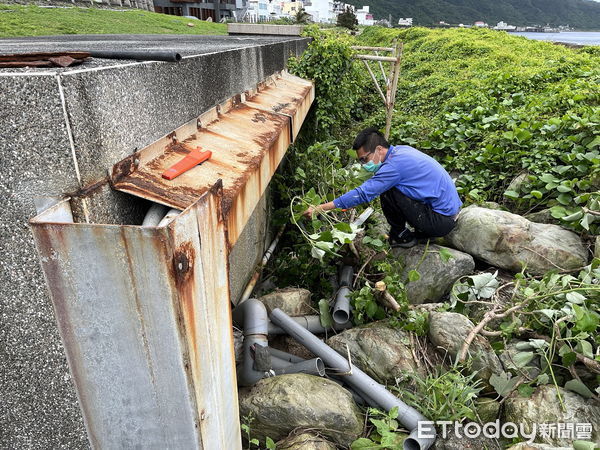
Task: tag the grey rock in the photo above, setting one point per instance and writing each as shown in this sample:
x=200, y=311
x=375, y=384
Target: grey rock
x=378, y=225
x=597, y=247
x=378, y=349
x=448, y=331
x=292, y=301
x=493, y=205
x=542, y=216
x=487, y=409
x=461, y=442
x=305, y=441
x=544, y=407
x=281, y=404
x=534, y=446
x=518, y=181
x=437, y=275
x=508, y=240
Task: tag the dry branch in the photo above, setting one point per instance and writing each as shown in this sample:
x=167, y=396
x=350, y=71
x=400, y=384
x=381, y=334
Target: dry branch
x=385, y=297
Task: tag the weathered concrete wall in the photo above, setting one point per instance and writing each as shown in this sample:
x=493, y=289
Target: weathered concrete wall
x=60, y=131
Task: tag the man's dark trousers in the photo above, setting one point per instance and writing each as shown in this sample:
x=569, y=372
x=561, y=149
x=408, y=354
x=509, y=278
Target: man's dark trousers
x=399, y=209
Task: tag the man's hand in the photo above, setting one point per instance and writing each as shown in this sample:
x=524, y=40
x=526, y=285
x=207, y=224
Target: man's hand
x=309, y=213
x=312, y=210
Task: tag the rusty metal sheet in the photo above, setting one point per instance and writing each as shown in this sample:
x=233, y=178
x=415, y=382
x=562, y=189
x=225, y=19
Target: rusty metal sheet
x=248, y=136
x=147, y=336
x=43, y=59
x=286, y=94
x=214, y=370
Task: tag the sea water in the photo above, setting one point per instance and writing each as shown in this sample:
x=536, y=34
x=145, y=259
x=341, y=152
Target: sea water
x=569, y=37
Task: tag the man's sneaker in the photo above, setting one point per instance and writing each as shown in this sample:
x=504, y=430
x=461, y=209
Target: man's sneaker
x=405, y=239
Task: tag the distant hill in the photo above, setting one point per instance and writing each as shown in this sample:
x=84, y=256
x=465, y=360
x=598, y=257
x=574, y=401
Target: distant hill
x=581, y=14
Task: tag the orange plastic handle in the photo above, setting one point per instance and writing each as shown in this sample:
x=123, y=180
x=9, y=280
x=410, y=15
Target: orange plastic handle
x=190, y=161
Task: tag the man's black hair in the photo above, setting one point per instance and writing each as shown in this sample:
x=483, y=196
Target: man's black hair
x=369, y=139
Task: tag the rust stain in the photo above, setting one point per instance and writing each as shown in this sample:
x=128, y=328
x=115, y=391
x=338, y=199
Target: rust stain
x=88, y=190
x=259, y=117
x=124, y=168
x=183, y=269
x=280, y=106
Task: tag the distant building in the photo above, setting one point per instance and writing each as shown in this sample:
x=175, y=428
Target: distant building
x=340, y=7
x=503, y=26
x=480, y=24
x=291, y=8
x=258, y=10
x=408, y=22
x=383, y=23
x=320, y=10
x=364, y=17
x=216, y=11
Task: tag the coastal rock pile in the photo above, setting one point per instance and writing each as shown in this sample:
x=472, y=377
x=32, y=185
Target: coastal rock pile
x=303, y=411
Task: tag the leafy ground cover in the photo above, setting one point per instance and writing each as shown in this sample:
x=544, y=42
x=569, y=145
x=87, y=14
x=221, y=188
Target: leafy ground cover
x=17, y=20
x=489, y=106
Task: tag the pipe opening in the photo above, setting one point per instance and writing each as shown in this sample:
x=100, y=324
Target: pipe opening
x=411, y=444
x=341, y=316
x=320, y=367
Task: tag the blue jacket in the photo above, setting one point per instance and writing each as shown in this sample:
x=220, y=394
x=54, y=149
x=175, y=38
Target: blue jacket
x=413, y=173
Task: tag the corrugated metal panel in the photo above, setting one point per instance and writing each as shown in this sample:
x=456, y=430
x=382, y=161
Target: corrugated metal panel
x=146, y=328
x=248, y=136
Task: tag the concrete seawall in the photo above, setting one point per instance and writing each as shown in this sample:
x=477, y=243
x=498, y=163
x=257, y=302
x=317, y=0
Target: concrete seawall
x=60, y=131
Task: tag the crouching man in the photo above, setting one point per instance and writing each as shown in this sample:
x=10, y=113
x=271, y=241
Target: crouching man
x=414, y=189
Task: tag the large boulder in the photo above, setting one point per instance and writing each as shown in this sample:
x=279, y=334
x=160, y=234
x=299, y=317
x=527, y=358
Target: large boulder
x=487, y=409
x=283, y=403
x=508, y=240
x=292, y=301
x=439, y=268
x=448, y=331
x=305, y=440
x=544, y=407
x=461, y=442
x=378, y=349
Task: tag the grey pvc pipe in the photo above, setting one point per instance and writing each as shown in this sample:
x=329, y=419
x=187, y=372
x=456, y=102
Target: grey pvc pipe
x=139, y=55
x=253, y=317
x=346, y=275
x=375, y=392
x=288, y=357
x=154, y=215
x=341, y=307
x=278, y=363
x=313, y=366
x=311, y=323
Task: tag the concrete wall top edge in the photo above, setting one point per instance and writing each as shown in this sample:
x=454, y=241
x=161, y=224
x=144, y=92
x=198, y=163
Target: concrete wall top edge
x=188, y=46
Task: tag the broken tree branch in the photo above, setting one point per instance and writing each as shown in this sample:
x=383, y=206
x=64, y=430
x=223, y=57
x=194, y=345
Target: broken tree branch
x=385, y=297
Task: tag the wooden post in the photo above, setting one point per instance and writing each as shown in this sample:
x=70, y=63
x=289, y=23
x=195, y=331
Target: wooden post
x=391, y=80
x=393, y=86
